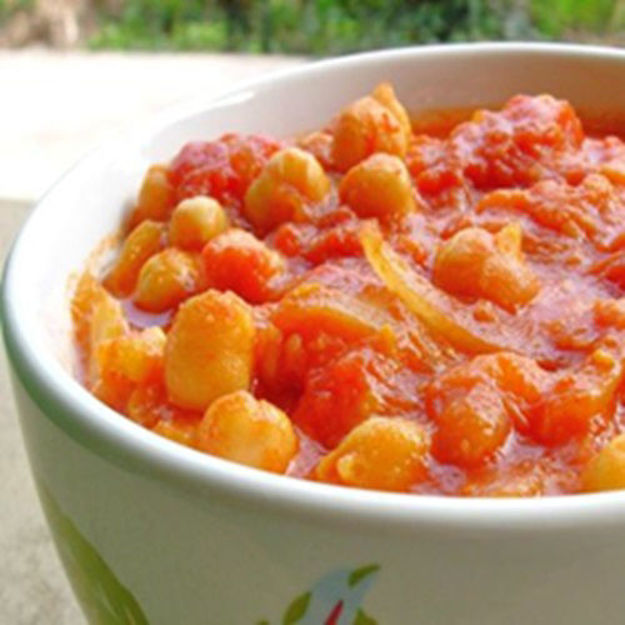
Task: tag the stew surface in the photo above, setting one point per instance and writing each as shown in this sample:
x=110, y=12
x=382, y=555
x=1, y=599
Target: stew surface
x=433, y=307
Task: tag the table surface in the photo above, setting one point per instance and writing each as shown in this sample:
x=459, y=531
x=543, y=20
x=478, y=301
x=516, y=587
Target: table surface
x=86, y=96
x=33, y=590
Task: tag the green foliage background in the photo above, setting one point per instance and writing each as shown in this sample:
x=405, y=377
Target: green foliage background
x=328, y=27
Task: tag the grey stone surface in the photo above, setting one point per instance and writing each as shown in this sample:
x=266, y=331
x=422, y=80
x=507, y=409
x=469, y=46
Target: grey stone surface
x=33, y=590
x=55, y=106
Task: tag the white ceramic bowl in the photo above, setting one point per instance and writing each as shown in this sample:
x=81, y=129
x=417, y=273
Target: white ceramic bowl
x=152, y=532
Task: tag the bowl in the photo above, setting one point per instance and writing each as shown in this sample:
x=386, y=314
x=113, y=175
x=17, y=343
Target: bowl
x=153, y=532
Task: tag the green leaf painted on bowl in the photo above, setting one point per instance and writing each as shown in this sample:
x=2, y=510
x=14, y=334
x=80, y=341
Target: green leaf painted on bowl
x=364, y=619
x=363, y=572
x=297, y=609
x=104, y=598
x=337, y=595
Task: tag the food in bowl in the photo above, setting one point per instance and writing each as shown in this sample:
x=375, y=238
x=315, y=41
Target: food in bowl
x=431, y=311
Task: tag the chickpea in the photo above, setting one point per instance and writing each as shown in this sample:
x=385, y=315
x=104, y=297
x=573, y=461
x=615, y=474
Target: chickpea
x=253, y=432
x=167, y=279
x=319, y=144
x=236, y=260
x=379, y=186
x=606, y=471
x=507, y=279
x=453, y=270
x=121, y=363
x=144, y=241
x=477, y=264
x=209, y=349
x=96, y=314
x=381, y=453
x=180, y=431
x=141, y=359
x=107, y=320
x=385, y=94
x=372, y=124
x=145, y=404
x=521, y=479
x=136, y=357
x=472, y=428
x=291, y=180
x=106, y=323
x=196, y=221
x=156, y=197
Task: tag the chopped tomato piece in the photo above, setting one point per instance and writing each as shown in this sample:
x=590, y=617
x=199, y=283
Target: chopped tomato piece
x=238, y=261
x=221, y=169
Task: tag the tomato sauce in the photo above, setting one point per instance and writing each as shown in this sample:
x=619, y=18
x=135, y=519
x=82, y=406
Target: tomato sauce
x=457, y=286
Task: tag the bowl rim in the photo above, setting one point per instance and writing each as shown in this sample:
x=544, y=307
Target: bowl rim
x=106, y=433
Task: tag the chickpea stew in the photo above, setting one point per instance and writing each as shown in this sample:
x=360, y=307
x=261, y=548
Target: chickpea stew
x=376, y=307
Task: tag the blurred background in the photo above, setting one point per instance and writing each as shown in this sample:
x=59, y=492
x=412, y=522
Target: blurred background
x=310, y=27
x=74, y=71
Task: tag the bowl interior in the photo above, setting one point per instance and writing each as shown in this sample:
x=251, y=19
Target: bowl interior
x=88, y=203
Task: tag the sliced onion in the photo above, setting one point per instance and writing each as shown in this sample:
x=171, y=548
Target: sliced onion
x=314, y=307
x=429, y=304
